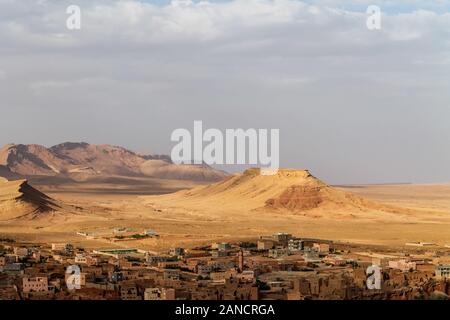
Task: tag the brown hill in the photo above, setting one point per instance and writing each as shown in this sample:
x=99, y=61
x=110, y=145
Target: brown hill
x=18, y=199
x=83, y=161
x=292, y=190
x=98, y=159
x=31, y=160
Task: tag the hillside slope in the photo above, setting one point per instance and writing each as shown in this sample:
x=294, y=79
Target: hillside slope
x=288, y=190
x=83, y=161
x=19, y=199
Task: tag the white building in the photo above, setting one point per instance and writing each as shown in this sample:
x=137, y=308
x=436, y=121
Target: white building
x=443, y=271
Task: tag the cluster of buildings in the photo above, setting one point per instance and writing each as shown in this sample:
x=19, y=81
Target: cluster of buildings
x=280, y=266
x=120, y=234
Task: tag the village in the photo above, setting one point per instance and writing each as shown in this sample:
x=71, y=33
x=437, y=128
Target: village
x=274, y=267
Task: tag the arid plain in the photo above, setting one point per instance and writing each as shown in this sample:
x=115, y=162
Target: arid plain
x=190, y=211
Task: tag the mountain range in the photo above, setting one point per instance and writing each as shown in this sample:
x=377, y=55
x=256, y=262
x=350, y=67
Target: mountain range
x=86, y=162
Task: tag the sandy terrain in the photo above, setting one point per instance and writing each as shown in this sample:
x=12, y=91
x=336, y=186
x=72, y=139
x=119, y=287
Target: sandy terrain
x=243, y=207
x=434, y=197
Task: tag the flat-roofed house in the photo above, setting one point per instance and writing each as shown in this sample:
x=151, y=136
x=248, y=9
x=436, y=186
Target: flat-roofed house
x=36, y=284
x=443, y=271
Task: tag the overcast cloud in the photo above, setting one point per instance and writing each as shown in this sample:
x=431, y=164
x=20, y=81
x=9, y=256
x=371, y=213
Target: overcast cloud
x=352, y=105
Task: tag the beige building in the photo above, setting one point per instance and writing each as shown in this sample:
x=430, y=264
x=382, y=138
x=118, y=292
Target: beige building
x=159, y=294
x=443, y=271
x=21, y=252
x=265, y=244
x=37, y=284
x=61, y=246
x=246, y=276
x=402, y=265
x=321, y=247
x=129, y=293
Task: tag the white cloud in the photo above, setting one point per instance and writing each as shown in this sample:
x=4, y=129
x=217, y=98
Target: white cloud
x=309, y=69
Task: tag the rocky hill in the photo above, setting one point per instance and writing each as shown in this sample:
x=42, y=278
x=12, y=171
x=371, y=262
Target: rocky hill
x=289, y=189
x=83, y=161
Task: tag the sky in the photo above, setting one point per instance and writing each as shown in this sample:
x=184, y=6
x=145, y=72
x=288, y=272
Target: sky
x=353, y=105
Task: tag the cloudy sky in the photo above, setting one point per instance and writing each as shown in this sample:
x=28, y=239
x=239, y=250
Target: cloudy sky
x=352, y=105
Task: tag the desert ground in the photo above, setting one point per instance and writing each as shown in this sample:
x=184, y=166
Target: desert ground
x=238, y=209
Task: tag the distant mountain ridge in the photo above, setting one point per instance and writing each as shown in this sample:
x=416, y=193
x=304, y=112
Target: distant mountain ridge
x=82, y=161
